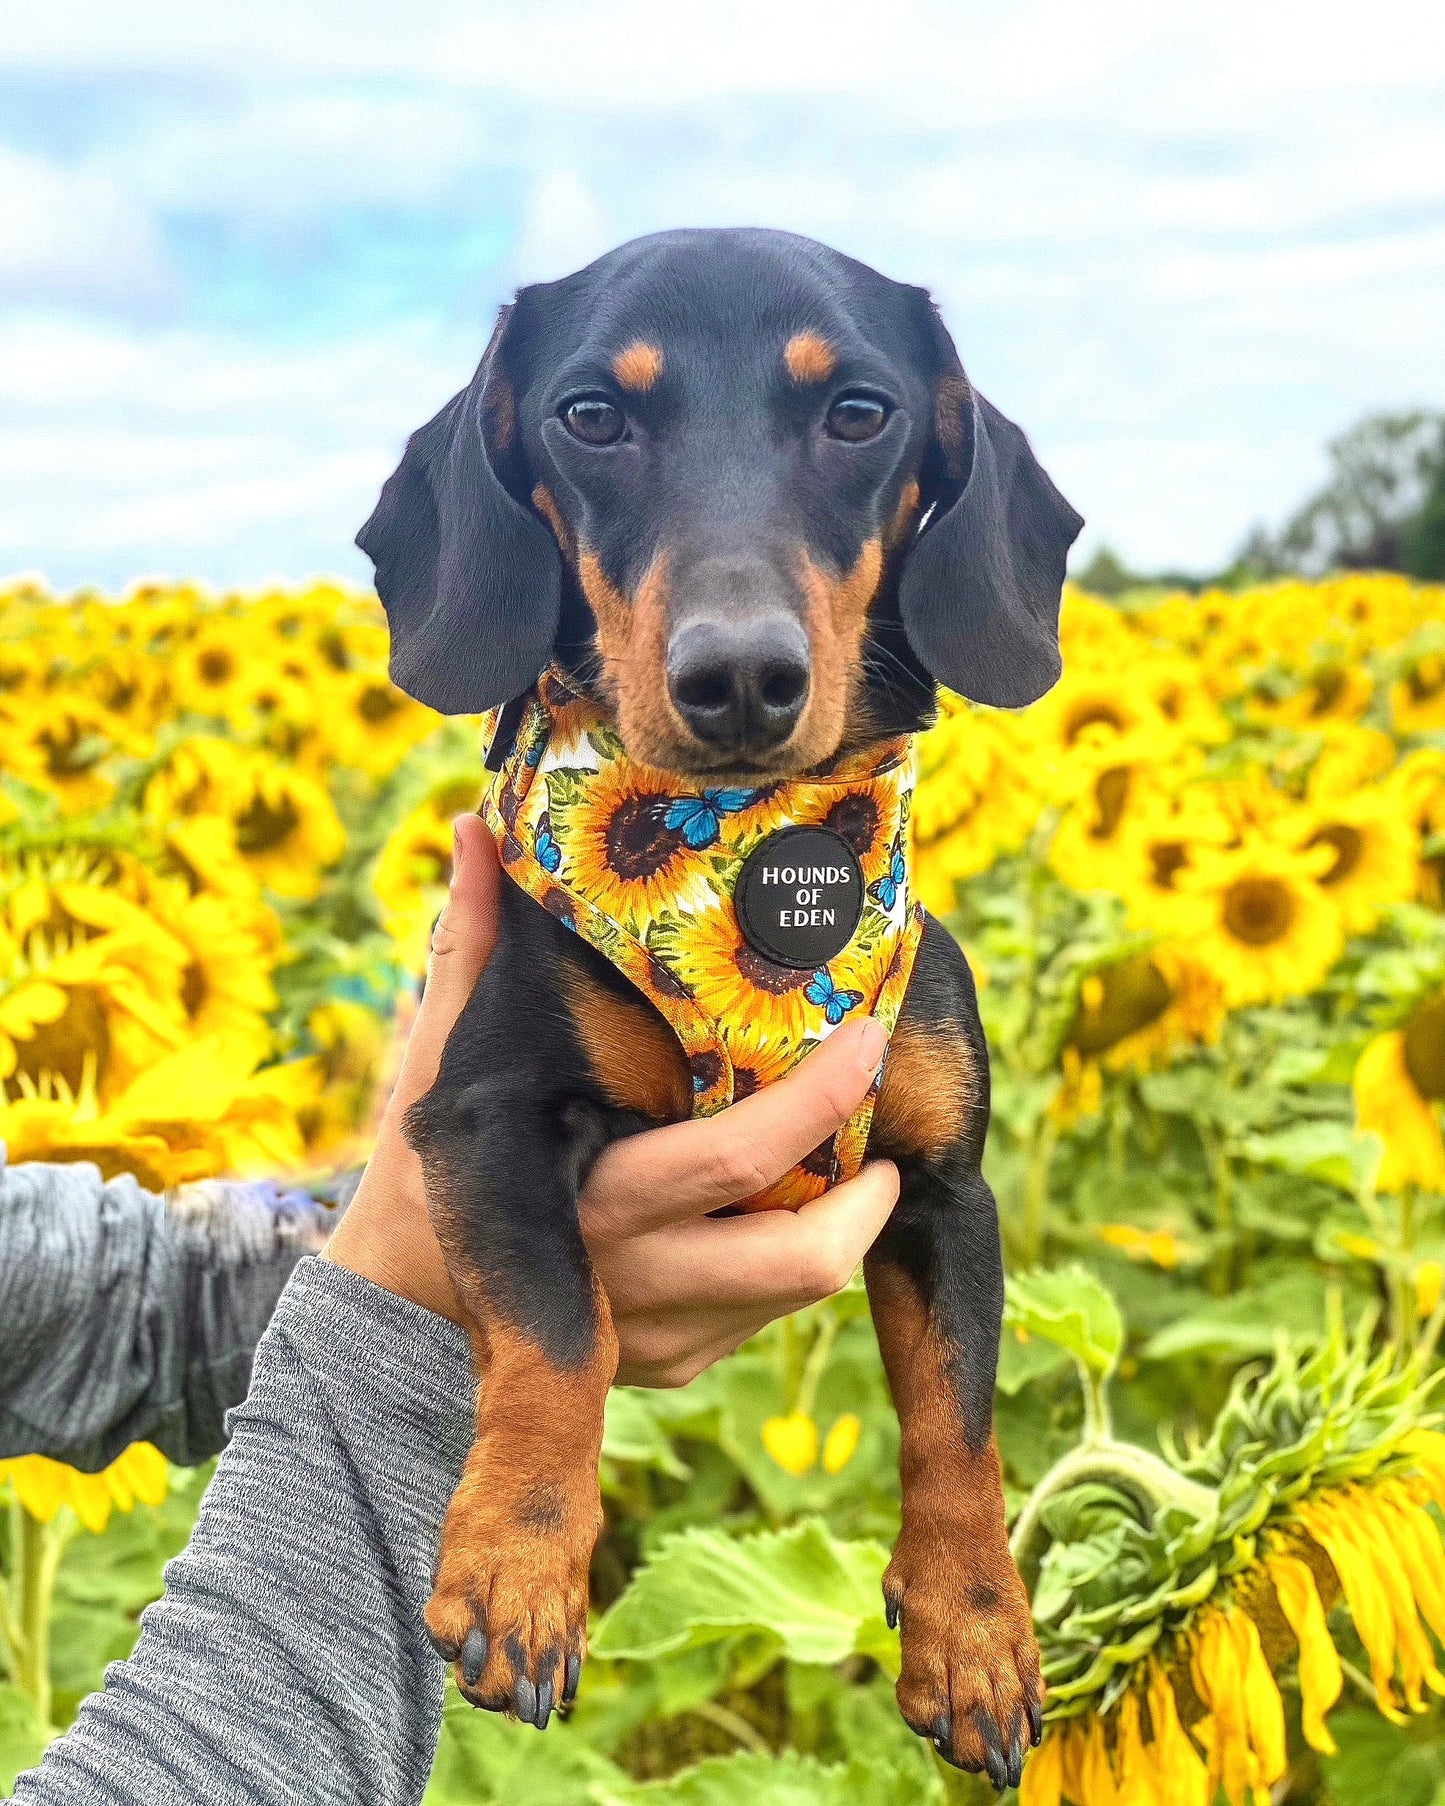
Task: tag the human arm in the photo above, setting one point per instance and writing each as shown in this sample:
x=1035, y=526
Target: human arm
x=128, y=1317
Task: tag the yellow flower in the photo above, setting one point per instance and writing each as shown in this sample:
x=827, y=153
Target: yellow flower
x=1320, y=1675
x=1417, y=700
x=1429, y=1277
x=1135, y=1013
x=1243, y=1730
x=42, y=1486
x=369, y=724
x=1373, y=848
x=841, y=1443
x=284, y=824
x=61, y=743
x=792, y=1441
x=1156, y=1245
x=414, y=870
x=1399, y=1078
x=1261, y=922
x=975, y=799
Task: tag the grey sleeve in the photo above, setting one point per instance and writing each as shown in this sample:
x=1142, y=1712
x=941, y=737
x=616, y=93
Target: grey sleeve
x=128, y=1317
x=287, y=1661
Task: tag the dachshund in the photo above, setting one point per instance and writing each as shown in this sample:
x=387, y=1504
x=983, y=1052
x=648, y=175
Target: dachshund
x=733, y=491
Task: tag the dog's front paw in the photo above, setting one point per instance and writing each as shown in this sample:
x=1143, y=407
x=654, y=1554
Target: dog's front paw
x=970, y=1681
x=509, y=1607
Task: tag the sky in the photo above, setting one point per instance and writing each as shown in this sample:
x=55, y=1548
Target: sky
x=245, y=250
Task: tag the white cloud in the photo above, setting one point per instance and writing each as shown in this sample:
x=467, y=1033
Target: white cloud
x=70, y=234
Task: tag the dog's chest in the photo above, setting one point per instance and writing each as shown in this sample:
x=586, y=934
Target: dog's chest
x=756, y=920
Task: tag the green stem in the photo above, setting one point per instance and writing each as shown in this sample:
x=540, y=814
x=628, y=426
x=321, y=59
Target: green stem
x=713, y=1712
x=1216, y=1154
x=1402, y=1286
x=35, y=1550
x=1145, y=1477
x=813, y=1367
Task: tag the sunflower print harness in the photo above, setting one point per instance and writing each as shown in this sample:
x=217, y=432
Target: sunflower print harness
x=647, y=870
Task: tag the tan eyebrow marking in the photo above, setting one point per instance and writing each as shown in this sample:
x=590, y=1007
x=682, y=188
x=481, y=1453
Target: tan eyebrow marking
x=638, y=365
x=809, y=358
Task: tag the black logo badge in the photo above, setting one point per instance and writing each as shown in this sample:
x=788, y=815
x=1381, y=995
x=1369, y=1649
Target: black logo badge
x=799, y=896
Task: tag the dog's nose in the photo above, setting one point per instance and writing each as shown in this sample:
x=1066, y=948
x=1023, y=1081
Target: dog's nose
x=740, y=685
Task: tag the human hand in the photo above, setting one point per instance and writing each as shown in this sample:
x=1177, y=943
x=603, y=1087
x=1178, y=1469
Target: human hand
x=685, y=1288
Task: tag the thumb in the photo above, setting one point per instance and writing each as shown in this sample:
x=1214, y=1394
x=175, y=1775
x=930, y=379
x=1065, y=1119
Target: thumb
x=461, y=945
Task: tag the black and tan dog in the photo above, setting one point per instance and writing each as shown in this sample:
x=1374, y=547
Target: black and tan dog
x=739, y=490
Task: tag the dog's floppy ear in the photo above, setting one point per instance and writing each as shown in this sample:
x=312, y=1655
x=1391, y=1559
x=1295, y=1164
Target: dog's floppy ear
x=470, y=579
x=979, y=593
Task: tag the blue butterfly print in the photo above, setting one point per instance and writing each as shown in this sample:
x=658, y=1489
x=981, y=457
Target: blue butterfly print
x=549, y=854
x=700, y=817
x=836, y=1004
x=885, y=890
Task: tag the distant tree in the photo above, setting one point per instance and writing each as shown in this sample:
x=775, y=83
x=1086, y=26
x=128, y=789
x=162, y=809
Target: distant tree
x=1106, y=574
x=1425, y=548
x=1366, y=516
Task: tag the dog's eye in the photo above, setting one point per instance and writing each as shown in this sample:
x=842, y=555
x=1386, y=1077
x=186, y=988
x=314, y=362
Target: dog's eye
x=856, y=417
x=594, y=420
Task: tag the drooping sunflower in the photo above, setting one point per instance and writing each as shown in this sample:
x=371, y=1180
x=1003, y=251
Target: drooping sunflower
x=1399, y=1081
x=1166, y=1605
x=1260, y=919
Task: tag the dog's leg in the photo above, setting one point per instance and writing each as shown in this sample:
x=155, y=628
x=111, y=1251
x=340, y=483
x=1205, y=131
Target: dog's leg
x=970, y=1680
x=506, y=1136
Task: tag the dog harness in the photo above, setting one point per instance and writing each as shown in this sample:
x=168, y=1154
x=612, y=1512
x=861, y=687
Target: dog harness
x=755, y=920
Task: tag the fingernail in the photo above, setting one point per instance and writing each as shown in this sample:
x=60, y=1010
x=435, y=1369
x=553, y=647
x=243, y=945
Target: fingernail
x=456, y=850
x=872, y=1044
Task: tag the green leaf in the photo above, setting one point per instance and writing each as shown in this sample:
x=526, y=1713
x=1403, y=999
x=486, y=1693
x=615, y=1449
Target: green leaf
x=1331, y=1151
x=1073, y=1310
x=1022, y=1358
x=22, y=1736
x=1248, y=1323
x=1379, y=1763
x=481, y=1757
x=633, y=1433
x=816, y=1597
x=787, y=1780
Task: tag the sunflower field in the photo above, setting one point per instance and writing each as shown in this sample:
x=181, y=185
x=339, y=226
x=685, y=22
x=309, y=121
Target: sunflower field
x=1202, y=887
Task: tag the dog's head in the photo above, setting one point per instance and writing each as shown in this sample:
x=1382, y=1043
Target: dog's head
x=740, y=485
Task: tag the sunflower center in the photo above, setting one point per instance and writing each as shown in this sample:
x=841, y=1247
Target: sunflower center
x=1134, y=994
x=855, y=817
x=1259, y=911
x=193, y=989
x=1427, y=679
x=379, y=702
x=639, y=842
x=263, y=825
x=215, y=666
x=1111, y=793
x=1167, y=858
x=1348, y=845
x=1425, y=1048
x=61, y=1046
x=763, y=975
x=70, y=751
x=1093, y=713
x=1325, y=690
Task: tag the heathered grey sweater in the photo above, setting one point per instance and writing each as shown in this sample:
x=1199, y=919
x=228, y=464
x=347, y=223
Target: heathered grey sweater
x=287, y=1660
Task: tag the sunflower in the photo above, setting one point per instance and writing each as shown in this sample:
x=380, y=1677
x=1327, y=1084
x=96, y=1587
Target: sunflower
x=1136, y=1012
x=1417, y=700
x=1374, y=853
x=1162, y=1624
x=284, y=824
x=1158, y=844
x=1399, y=1080
x=354, y=1043
x=371, y=725
x=1351, y=757
x=212, y=666
x=1092, y=847
x=707, y=952
x=1259, y=919
x=1090, y=721
x=225, y=986
x=61, y=743
x=414, y=870
x=619, y=852
x=1336, y=690
x=42, y=1486
x=975, y=799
